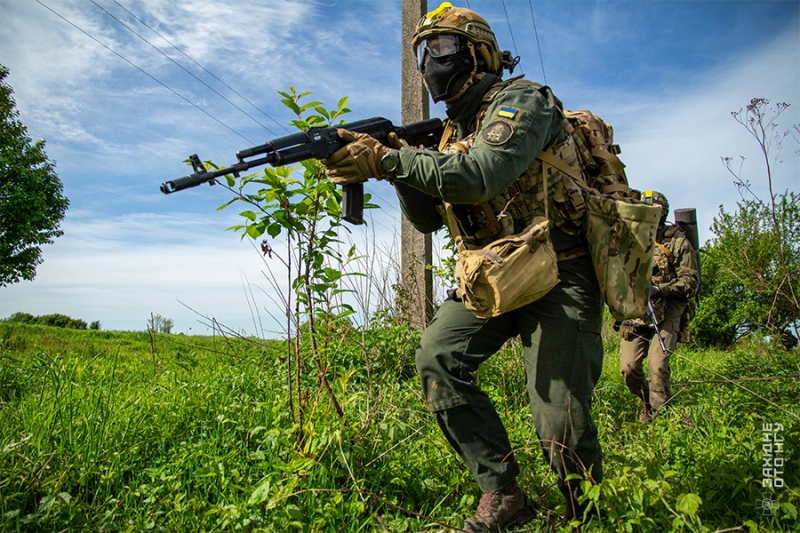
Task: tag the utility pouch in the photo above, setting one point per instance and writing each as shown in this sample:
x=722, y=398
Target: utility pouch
x=508, y=273
x=621, y=235
x=631, y=330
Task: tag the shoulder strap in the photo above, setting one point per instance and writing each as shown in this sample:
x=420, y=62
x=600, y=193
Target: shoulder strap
x=665, y=250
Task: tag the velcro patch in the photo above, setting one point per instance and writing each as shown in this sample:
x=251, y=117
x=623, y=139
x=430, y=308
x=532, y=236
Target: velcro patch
x=497, y=133
x=507, y=112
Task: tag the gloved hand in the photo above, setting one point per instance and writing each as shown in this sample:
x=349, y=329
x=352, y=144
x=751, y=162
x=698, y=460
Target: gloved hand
x=359, y=160
x=655, y=292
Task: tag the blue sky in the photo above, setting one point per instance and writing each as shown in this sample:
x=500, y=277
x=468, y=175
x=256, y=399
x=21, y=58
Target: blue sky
x=665, y=74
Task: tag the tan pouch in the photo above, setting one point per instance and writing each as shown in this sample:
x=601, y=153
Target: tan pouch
x=508, y=273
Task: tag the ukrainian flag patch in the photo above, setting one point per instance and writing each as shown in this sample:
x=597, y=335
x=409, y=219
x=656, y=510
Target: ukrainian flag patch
x=507, y=112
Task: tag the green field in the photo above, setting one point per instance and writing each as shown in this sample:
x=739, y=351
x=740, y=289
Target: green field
x=131, y=431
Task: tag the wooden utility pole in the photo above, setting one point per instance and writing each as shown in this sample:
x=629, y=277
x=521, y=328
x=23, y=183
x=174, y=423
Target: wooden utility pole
x=416, y=248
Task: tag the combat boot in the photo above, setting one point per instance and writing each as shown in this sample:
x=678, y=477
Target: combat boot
x=501, y=510
x=647, y=413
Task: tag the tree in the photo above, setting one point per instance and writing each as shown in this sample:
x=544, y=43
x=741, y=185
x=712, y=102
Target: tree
x=752, y=266
x=747, y=287
x=32, y=204
x=158, y=324
x=307, y=211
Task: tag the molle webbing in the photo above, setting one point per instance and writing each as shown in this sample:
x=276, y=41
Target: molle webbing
x=595, y=144
x=585, y=159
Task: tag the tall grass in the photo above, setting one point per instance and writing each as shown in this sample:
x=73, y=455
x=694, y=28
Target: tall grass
x=113, y=431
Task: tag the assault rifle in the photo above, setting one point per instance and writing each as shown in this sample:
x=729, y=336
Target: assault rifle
x=314, y=143
x=657, y=327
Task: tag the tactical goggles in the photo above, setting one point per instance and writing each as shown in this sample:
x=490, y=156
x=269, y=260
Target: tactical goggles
x=438, y=46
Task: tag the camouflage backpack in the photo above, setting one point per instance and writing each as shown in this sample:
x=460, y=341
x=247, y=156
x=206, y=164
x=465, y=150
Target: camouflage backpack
x=589, y=179
x=619, y=229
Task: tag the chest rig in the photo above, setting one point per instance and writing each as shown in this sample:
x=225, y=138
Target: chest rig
x=664, y=258
x=558, y=176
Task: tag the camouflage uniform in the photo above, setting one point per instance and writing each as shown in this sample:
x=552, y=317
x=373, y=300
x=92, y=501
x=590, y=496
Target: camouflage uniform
x=676, y=275
x=560, y=333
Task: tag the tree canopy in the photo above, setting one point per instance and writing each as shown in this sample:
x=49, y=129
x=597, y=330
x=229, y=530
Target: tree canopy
x=32, y=203
x=751, y=270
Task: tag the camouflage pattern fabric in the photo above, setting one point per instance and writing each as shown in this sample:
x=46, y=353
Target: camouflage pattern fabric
x=582, y=168
x=675, y=272
x=621, y=237
x=523, y=200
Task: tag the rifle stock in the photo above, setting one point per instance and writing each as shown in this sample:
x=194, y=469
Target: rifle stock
x=314, y=143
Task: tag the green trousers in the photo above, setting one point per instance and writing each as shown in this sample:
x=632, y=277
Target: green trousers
x=563, y=358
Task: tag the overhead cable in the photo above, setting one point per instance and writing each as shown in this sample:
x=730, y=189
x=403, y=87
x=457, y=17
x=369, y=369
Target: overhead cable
x=187, y=56
x=170, y=89
x=181, y=66
x=541, y=60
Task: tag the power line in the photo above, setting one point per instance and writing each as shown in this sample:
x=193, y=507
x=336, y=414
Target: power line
x=170, y=89
x=541, y=60
x=180, y=66
x=513, y=41
x=204, y=69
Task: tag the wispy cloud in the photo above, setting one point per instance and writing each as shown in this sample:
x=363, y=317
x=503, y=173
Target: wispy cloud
x=665, y=74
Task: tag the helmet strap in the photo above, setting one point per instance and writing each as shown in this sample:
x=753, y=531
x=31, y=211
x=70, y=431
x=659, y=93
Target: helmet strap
x=473, y=76
x=486, y=57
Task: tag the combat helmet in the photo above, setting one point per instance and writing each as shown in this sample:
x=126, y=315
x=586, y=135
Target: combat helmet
x=479, y=39
x=655, y=197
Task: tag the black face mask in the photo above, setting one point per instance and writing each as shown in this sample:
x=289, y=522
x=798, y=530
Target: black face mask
x=445, y=75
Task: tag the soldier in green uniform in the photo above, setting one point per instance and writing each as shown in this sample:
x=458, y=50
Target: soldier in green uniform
x=487, y=170
x=675, y=280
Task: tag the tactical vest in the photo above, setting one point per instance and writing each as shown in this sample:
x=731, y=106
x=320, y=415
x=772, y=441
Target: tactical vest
x=586, y=149
x=664, y=258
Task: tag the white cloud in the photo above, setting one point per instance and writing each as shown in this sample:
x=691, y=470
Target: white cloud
x=130, y=266
x=116, y=134
x=674, y=144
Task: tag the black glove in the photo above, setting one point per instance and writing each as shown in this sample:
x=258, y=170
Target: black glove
x=655, y=292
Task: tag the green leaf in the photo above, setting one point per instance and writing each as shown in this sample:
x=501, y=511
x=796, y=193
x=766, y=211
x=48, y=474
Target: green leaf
x=249, y=215
x=332, y=274
x=688, y=504
x=291, y=105
x=260, y=494
x=308, y=106
x=273, y=230
x=205, y=471
x=253, y=231
x=790, y=509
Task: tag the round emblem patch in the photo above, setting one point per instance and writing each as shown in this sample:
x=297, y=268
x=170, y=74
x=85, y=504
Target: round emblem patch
x=497, y=133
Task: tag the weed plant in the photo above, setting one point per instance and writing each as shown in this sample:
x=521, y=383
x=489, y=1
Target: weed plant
x=120, y=431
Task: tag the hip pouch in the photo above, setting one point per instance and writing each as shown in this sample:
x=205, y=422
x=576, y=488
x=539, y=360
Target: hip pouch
x=508, y=273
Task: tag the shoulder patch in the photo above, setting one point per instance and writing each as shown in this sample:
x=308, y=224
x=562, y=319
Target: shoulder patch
x=507, y=112
x=497, y=133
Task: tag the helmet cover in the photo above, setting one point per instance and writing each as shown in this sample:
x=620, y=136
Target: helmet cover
x=655, y=197
x=482, y=45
